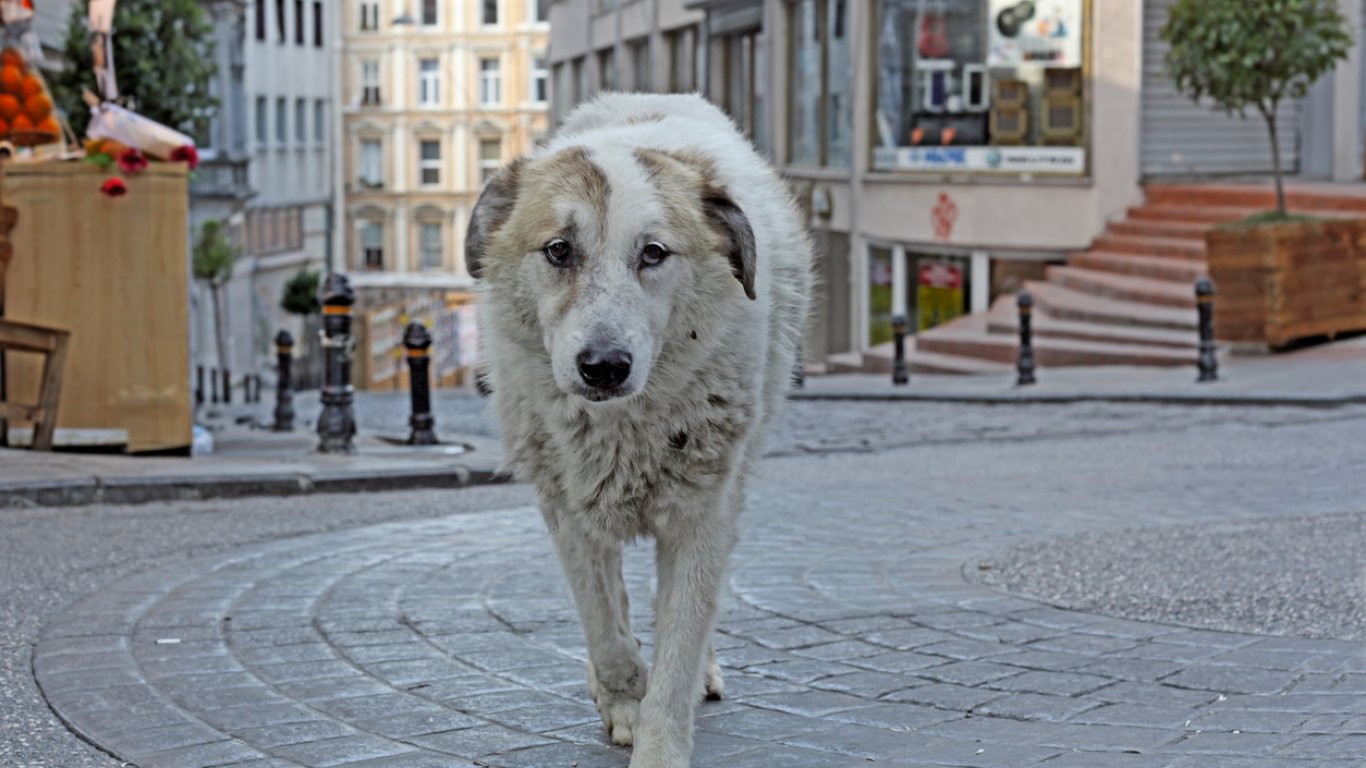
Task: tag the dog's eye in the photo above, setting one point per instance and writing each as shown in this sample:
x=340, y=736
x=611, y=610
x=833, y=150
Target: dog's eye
x=653, y=253
x=557, y=252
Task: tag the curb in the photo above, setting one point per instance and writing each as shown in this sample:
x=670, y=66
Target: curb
x=81, y=491
x=1177, y=399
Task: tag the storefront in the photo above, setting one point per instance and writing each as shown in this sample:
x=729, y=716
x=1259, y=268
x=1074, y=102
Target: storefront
x=982, y=86
x=928, y=286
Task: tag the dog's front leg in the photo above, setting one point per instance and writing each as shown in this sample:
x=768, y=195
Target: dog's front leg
x=692, y=558
x=616, y=672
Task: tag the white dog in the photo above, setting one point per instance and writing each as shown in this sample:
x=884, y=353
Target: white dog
x=645, y=282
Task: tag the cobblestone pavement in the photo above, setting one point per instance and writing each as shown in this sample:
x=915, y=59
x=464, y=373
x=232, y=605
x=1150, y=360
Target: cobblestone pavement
x=849, y=636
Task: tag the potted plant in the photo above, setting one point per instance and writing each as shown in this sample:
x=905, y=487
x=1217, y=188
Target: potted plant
x=1281, y=277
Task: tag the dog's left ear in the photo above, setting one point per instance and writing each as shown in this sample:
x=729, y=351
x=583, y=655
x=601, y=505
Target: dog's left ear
x=733, y=226
x=490, y=213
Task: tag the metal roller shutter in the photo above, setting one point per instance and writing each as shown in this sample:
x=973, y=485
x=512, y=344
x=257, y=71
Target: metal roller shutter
x=1180, y=137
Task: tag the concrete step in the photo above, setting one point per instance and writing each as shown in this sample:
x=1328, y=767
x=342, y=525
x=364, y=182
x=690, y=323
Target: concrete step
x=972, y=340
x=1068, y=304
x=844, y=362
x=1004, y=319
x=1126, y=287
x=1170, y=247
x=1205, y=215
x=1183, y=230
x=922, y=361
x=1155, y=267
x=1261, y=196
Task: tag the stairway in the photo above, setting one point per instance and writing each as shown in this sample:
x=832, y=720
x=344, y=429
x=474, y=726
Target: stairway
x=1130, y=299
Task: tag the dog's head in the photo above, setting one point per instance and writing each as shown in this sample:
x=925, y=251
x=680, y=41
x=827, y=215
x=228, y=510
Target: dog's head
x=593, y=256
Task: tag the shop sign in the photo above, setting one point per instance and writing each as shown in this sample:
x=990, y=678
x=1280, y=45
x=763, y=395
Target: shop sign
x=939, y=294
x=1029, y=32
x=1067, y=160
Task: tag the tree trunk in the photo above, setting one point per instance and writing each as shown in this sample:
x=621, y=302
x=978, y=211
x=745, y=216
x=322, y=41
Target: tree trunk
x=1270, y=116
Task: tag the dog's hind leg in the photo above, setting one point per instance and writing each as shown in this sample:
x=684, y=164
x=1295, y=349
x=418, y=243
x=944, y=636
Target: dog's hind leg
x=691, y=561
x=713, y=686
x=616, y=672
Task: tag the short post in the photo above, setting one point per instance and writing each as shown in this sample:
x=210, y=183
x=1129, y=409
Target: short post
x=227, y=386
x=1204, y=302
x=417, y=342
x=199, y=385
x=900, y=376
x=1025, y=364
x=337, y=422
x=213, y=386
x=284, y=392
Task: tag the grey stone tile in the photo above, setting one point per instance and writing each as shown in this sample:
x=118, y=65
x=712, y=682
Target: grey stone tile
x=1051, y=683
x=293, y=733
x=481, y=740
x=969, y=673
x=808, y=703
x=944, y=696
x=1232, y=680
x=1039, y=707
x=1234, y=744
x=1137, y=715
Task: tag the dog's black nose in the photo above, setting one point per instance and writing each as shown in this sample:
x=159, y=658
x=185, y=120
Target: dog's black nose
x=604, y=368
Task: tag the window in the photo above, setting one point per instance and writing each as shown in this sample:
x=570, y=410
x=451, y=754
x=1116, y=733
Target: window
x=638, y=52
x=369, y=81
x=320, y=121
x=607, y=70
x=540, y=76
x=490, y=82
x=980, y=92
x=301, y=120
x=299, y=22
x=429, y=165
x=583, y=83
x=369, y=16
x=490, y=159
x=282, y=120
x=317, y=23
x=372, y=244
x=489, y=13
x=260, y=19
x=280, y=19
x=821, y=104
x=428, y=83
x=743, y=69
x=429, y=13
x=371, y=164
x=261, y=121
x=540, y=10
x=431, y=253
x=683, y=60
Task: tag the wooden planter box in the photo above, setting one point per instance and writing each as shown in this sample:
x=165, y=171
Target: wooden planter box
x=114, y=272
x=1277, y=283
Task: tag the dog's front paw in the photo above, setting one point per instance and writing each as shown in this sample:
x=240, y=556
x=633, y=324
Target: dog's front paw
x=656, y=752
x=620, y=710
x=713, y=686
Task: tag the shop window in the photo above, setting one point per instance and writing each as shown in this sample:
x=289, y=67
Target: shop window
x=880, y=286
x=929, y=288
x=990, y=86
x=821, y=116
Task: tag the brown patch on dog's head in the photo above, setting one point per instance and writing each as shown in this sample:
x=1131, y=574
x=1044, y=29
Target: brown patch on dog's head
x=723, y=216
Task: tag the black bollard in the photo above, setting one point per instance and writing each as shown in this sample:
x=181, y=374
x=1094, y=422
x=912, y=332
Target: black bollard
x=1204, y=302
x=227, y=386
x=416, y=342
x=1025, y=364
x=199, y=385
x=213, y=386
x=900, y=375
x=337, y=422
x=284, y=393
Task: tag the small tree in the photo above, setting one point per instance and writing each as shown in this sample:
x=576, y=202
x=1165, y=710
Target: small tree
x=1254, y=53
x=213, y=262
x=163, y=57
x=301, y=293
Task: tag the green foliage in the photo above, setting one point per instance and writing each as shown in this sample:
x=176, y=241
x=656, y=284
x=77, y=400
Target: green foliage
x=1254, y=53
x=214, y=256
x=163, y=59
x=301, y=293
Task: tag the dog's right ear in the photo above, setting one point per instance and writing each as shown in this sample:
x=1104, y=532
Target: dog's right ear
x=490, y=213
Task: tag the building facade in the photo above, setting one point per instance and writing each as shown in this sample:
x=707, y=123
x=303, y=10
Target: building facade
x=438, y=95
x=940, y=149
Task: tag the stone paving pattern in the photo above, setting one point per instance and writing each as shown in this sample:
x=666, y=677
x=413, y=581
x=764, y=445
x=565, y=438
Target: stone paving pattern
x=849, y=636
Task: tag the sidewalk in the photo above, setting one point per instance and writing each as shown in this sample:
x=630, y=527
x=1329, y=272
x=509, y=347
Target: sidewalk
x=1322, y=376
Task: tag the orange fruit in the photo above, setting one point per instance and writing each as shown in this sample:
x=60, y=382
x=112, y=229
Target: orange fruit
x=12, y=56
x=37, y=107
x=4, y=128
x=22, y=124
x=50, y=126
x=30, y=85
x=11, y=78
x=9, y=106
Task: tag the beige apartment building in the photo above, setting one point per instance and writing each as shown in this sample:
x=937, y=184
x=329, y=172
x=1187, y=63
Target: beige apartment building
x=437, y=95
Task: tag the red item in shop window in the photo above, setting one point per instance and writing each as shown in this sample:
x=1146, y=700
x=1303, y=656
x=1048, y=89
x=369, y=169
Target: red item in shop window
x=132, y=161
x=114, y=187
x=186, y=154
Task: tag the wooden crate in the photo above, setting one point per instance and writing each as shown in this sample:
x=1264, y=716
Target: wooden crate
x=1283, y=282
x=114, y=272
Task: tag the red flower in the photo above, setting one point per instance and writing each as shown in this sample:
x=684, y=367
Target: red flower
x=186, y=154
x=115, y=186
x=132, y=161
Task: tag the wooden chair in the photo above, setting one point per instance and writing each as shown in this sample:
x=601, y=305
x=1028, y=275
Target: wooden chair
x=26, y=337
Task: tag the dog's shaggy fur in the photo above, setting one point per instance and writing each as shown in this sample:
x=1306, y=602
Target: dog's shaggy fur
x=649, y=236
